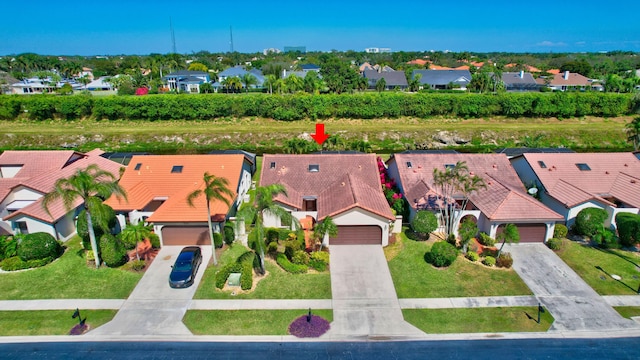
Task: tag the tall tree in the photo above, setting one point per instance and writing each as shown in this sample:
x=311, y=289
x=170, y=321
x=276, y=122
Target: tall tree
x=248, y=80
x=293, y=83
x=270, y=82
x=263, y=204
x=312, y=82
x=134, y=234
x=232, y=83
x=633, y=132
x=327, y=227
x=468, y=229
x=381, y=84
x=455, y=181
x=215, y=188
x=92, y=185
x=510, y=234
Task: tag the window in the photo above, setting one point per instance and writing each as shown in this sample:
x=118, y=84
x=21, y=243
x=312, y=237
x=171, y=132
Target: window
x=138, y=166
x=409, y=165
x=449, y=166
x=583, y=167
x=542, y=164
x=310, y=204
x=176, y=169
x=272, y=165
x=314, y=168
x=21, y=226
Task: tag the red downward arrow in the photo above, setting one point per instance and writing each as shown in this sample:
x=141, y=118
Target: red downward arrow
x=320, y=136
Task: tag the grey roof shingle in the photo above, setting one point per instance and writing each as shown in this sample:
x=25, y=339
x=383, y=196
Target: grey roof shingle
x=443, y=77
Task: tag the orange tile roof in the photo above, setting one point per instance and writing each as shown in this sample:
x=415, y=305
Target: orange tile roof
x=553, y=71
x=420, y=62
x=504, y=199
x=343, y=182
x=154, y=180
x=611, y=175
x=574, y=79
x=438, y=67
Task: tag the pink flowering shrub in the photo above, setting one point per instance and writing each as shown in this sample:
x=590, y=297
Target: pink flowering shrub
x=390, y=189
x=303, y=329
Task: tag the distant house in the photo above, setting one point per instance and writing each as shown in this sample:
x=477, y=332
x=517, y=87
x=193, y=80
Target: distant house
x=239, y=71
x=158, y=186
x=519, y=81
x=186, y=81
x=568, y=81
x=343, y=186
x=26, y=176
x=503, y=201
x=310, y=67
x=444, y=79
x=393, y=79
x=100, y=84
x=568, y=183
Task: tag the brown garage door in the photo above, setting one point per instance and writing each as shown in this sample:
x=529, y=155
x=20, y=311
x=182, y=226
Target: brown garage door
x=185, y=235
x=529, y=232
x=357, y=235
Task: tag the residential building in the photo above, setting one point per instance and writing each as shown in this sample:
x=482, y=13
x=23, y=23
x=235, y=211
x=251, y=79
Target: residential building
x=158, y=187
x=26, y=176
x=568, y=183
x=345, y=187
x=239, y=71
x=100, y=84
x=444, y=79
x=377, y=50
x=393, y=79
x=519, y=81
x=310, y=67
x=186, y=81
x=504, y=200
x=568, y=81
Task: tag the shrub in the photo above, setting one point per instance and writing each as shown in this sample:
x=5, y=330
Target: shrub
x=628, y=228
x=290, y=247
x=589, y=221
x=315, y=327
x=554, y=243
x=504, y=260
x=134, y=265
x=154, y=239
x=272, y=248
x=38, y=246
x=606, y=238
x=560, y=231
x=83, y=230
x=424, y=222
x=486, y=240
x=300, y=257
x=223, y=274
x=112, y=251
x=442, y=254
x=473, y=256
x=229, y=233
x=16, y=263
x=272, y=234
x=318, y=265
x=217, y=240
x=285, y=264
x=8, y=247
x=489, y=261
x=246, y=276
x=320, y=256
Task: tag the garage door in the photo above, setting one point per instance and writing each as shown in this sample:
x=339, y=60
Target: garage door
x=185, y=235
x=529, y=232
x=357, y=235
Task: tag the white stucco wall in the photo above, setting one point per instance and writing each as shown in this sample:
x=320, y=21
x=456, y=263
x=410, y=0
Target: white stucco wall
x=612, y=211
x=34, y=226
x=359, y=216
x=244, y=183
x=272, y=221
x=573, y=212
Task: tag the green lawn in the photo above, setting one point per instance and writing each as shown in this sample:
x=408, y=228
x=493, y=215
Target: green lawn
x=48, y=322
x=277, y=285
x=68, y=278
x=478, y=320
x=628, y=311
x=414, y=278
x=584, y=259
x=245, y=322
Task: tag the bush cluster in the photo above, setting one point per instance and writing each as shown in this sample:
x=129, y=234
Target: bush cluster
x=554, y=243
x=589, y=221
x=473, y=256
x=628, y=228
x=134, y=265
x=217, y=240
x=288, y=266
x=319, y=260
x=300, y=257
x=112, y=251
x=38, y=246
x=243, y=265
x=306, y=106
x=442, y=254
x=8, y=247
x=489, y=261
x=504, y=260
x=486, y=240
x=229, y=233
x=16, y=263
x=560, y=231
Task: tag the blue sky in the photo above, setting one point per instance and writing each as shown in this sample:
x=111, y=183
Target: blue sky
x=71, y=27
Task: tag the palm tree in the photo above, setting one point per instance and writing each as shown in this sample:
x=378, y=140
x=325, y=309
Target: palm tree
x=270, y=81
x=293, y=83
x=133, y=234
x=232, y=83
x=92, y=185
x=263, y=204
x=633, y=132
x=510, y=234
x=327, y=227
x=215, y=188
x=381, y=84
x=248, y=79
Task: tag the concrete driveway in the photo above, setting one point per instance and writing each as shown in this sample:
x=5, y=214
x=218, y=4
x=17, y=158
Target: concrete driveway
x=154, y=308
x=364, y=298
x=573, y=303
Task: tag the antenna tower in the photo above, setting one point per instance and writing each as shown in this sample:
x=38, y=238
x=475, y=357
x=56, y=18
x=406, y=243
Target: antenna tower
x=173, y=37
x=231, y=38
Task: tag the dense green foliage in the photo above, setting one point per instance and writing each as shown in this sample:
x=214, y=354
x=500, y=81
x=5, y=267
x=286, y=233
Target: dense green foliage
x=290, y=267
x=486, y=240
x=504, y=260
x=554, y=243
x=489, y=261
x=628, y=228
x=305, y=106
x=242, y=265
x=442, y=254
x=38, y=246
x=560, y=231
x=8, y=246
x=424, y=222
x=112, y=251
x=472, y=256
x=589, y=221
x=15, y=263
x=229, y=233
x=217, y=240
x=83, y=230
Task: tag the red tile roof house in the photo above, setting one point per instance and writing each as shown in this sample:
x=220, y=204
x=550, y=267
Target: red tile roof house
x=26, y=176
x=567, y=81
x=568, y=183
x=157, y=188
x=505, y=200
x=343, y=186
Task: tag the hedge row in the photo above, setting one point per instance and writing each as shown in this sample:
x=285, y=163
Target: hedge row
x=243, y=265
x=290, y=267
x=628, y=228
x=305, y=106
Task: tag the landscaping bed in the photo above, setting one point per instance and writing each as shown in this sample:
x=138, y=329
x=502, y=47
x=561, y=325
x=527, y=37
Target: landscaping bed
x=245, y=322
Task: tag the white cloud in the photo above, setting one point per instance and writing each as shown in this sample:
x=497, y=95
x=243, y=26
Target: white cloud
x=548, y=43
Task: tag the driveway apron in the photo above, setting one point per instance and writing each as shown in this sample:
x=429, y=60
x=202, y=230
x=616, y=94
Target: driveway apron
x=574, y=304
x=364, y=298
x=154, y=308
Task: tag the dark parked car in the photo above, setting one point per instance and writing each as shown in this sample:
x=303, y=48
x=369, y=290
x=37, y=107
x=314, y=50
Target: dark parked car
x=184, y=270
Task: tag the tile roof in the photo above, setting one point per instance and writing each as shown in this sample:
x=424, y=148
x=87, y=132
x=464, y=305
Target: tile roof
x=504, y=199
x=573, y=79
x=518, y=78
x=154, y=179
x=443, y=77
x=343, y=182
x=40, y=171
x=612, y=175
x=391, y=78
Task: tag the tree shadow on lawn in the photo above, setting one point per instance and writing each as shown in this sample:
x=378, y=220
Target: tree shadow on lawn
x=621, y=256
x=620, y=281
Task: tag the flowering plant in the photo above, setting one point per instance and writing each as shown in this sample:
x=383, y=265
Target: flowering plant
x=302, y=328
